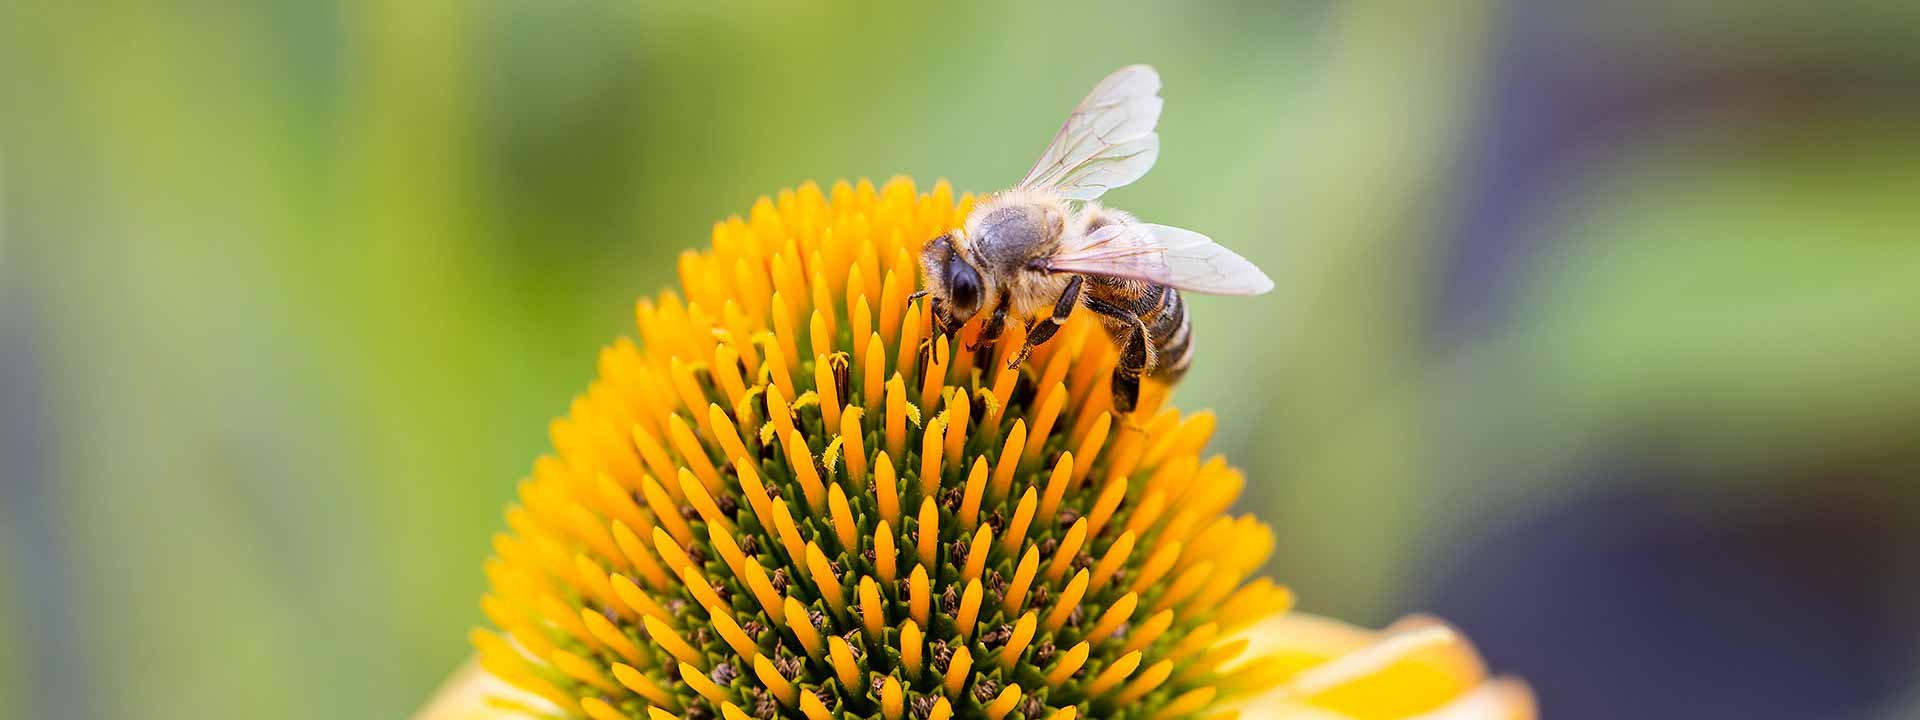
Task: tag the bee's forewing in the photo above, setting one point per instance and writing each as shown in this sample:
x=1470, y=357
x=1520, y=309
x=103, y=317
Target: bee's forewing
x=1162, y=255
x=1107, y=142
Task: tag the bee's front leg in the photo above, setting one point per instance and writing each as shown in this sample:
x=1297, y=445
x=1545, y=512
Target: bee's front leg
x=942, y=321
x=938, y=311
x=1042, y=330
x=990, y=332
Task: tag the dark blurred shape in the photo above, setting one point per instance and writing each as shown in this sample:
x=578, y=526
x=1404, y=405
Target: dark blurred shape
x=1648, y=600
x=46, y=642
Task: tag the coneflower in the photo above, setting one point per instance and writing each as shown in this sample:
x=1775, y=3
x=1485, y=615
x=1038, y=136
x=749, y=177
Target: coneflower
x=789, y=498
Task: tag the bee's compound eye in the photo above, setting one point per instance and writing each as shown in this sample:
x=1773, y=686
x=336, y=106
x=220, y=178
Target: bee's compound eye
x=963, y=287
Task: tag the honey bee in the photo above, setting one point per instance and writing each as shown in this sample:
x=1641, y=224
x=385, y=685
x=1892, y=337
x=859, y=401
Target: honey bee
x=1046, y=243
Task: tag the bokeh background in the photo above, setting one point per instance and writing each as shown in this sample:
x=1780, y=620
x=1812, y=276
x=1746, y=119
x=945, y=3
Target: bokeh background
x=1598, y=329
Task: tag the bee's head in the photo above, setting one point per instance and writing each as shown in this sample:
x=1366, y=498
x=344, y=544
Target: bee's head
x=956, y=283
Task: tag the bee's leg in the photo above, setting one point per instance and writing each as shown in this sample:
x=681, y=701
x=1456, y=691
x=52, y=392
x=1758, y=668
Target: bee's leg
x=940, y=319
x=990, y=332
x=1135, y=357
x=1042, y=330
x=943, y=323
x=1126, y=375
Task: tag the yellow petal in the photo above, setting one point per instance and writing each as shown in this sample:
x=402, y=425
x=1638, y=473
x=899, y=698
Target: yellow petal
x=472, y=693
x=1418, y=668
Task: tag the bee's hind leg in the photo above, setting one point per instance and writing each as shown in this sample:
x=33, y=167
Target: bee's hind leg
x=1126, y=374
x=1135, y=357
x=1042, y=330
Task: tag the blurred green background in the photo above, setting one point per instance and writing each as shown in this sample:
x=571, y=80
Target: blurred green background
x=1598, y=328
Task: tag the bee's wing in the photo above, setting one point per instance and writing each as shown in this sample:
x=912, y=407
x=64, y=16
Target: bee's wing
x=1107, y=142
x=1163, y=255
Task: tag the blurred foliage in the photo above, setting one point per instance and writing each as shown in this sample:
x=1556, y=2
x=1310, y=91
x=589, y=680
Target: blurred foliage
x=293, y=288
